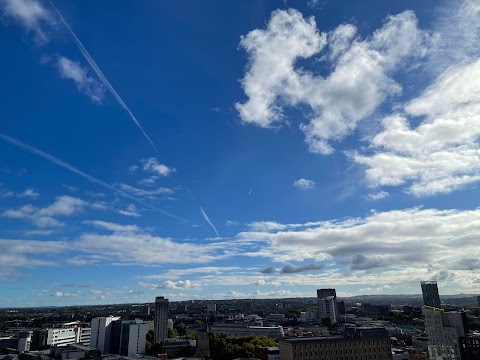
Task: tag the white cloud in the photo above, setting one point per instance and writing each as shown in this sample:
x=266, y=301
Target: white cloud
x=442, y=153
x=260, y=282
x=177, y=273
x=377, y=196
x=304, y=184
x=152, y=165
x=30, y=14
x=411, y=237
x=172, y=285
x=30, y=193
x=152, y=194
x=207, y=219
x=131, y=210
x=359, y=82
x=46, y=217
x=72, y=70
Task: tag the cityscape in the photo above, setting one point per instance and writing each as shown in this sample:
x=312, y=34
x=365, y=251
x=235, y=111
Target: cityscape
x=323, y=327
x=240, y=180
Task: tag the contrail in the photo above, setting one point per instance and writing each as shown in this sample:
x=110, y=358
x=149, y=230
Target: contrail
x=100, y=75
x=205, y=216
x=90, y=178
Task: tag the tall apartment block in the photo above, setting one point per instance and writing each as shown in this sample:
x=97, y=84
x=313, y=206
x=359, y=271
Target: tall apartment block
x=444, y=331
x=430, y=294
x=161, y=319
x=327, y=304
x=101, y=333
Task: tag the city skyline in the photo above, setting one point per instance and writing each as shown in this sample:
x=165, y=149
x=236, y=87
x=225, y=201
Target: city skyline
x=239, y=150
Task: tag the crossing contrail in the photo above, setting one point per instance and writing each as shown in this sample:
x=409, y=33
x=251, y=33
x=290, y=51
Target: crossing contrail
x=100, y=75
x=73, y=169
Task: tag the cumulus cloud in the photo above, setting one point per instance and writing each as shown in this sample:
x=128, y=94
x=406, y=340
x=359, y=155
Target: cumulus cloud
x=441, y=154
x=260, y=282
x=360, y=81
x=29, y=193
x=72, y=70
x=410, y=237
x=152, y=165
x=304, y=184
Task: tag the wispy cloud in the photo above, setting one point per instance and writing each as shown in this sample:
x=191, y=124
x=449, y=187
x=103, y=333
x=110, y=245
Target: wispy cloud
x=89, y=86
x=205, y=216
x=172, y=285
x=72, y=169
x=101, y=76
x=131, y=210
x=46, y=217
x=32, y=15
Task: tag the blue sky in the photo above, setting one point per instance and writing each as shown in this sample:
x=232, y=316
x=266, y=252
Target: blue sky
x=233, y=149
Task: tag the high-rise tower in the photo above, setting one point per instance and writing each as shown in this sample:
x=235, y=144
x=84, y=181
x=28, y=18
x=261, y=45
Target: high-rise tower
x=430, y=294
x=161, y=318
x=327, y=304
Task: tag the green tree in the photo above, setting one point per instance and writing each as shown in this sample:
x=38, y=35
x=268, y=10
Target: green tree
x=172, y=333
x=327, y=321
x=180, y=328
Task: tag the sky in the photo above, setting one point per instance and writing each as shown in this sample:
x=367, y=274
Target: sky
x=237, y=149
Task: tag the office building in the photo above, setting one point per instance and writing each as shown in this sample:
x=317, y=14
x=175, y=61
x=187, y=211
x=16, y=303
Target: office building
x=444, y=331
x=242, y=329
x=335, y=348
x=161, y=319
x=128, y=337
x=61, y=336
x=327, y=304
x=327, y=308
x=430, y=294
x=470, y=346
x=101, y=331
x=269, y=353
x=211, y=307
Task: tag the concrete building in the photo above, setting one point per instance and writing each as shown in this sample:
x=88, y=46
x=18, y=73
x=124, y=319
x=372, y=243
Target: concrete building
x=430, y=294
x=242, y=329
x=161, y=319
x=61, y=336
x=212, y=307
x=444, y=330
x=269, y=353
x=101, y=330
x=128, y=337
x=335, y=348
x=470, y=346
x=327, y=307
x=325, y=297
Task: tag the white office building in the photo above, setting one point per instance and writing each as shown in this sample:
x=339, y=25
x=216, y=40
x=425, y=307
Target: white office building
x=327, y=308
x=101, y=332
x=161, y=319
x=444, y=330
x=61, y=336
x=129, y=338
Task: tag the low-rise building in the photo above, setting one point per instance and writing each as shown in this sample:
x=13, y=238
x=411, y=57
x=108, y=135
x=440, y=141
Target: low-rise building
x=335, y=348
x=242, y=329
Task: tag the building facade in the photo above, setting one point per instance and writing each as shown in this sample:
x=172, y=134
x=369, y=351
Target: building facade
x=325, y=297
x=444, y=330
x=161, y=319
x=327, y=308
x=430, y=294
x=242, y=329
x=101, y=331
x=335, y=348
